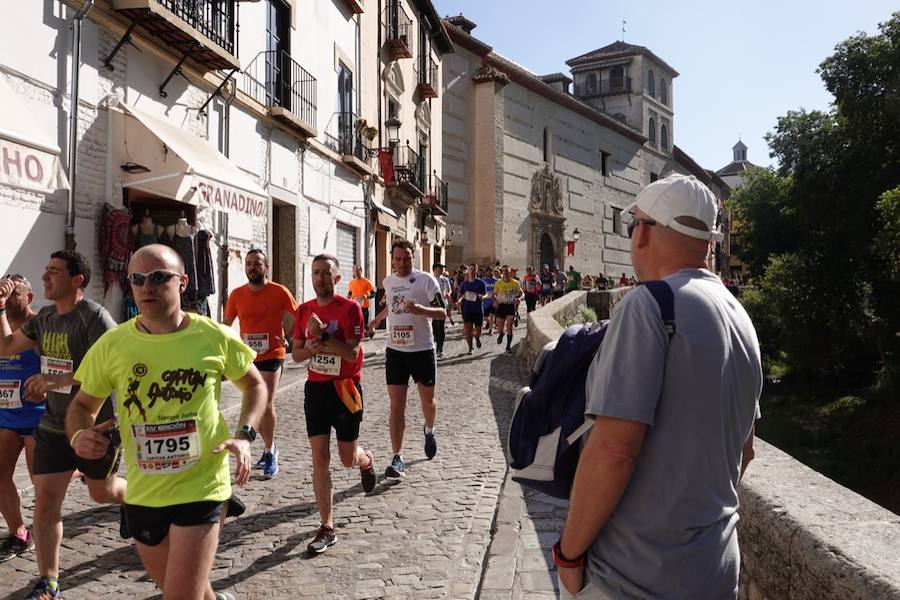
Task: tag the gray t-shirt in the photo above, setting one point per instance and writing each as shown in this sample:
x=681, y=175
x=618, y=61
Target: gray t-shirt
x=63, y=340
x=673, y=533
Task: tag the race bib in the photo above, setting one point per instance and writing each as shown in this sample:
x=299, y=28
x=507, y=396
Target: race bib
x=165, y=448
x=506, y=297
x=325, y=364
x=403, y=335
x=360, y=300
x=10, y=394
x=470, y=296
x=57, y=366
x=258, y=342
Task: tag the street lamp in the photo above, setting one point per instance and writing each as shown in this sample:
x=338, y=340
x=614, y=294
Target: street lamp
x=392, y=126
x=576, y=235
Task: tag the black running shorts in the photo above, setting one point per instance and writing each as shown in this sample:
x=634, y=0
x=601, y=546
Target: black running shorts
x=53, y=454
x=150, y=526
x=489, y=310
x=421, y=365
x=271, y=365
x=472, y=316
x=324, y=411
x=506, y=310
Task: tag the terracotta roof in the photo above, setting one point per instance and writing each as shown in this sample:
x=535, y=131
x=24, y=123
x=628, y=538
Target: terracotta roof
x=463, y=23
x=553, y=77
x=529, y=80
x=735, y=167
x=619, y=49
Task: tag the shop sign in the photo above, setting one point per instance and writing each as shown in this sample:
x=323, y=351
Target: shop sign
x=29, y=168
x=231, y=199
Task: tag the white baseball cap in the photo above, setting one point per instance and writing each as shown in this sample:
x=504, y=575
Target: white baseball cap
x=676, y=196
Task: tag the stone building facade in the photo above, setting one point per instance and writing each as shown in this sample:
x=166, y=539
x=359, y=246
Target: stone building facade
x=530, y=161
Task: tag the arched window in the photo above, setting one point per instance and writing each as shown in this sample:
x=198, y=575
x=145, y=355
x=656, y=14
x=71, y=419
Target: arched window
x=664, y=136
x=652, y=133
x=616, y=78
x=663, y=92
x=651, y=84
x=546, y=144
x=591, y=83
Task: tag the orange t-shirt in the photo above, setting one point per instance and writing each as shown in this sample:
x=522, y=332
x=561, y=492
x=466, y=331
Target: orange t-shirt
x=360, y=288
x=261, y=315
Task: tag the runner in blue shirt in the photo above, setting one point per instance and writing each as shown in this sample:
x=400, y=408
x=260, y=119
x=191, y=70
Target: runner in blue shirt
x=472, y=292
x=19, y=415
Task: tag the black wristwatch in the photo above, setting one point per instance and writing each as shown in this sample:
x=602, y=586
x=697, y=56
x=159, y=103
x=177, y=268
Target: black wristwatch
x=248, y=431
x=324, y=337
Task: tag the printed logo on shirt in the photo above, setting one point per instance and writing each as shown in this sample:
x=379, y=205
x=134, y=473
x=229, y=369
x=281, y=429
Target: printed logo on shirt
x=55, y=345
x=180, y=384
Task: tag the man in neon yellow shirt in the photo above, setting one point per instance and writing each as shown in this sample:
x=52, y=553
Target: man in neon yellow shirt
x=166, y=367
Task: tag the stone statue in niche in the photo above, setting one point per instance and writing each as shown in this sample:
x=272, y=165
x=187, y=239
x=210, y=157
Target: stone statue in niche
x=546, y=196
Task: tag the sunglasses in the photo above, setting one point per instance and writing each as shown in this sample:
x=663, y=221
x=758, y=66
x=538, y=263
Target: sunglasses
x=155, y=277
x=632, y=225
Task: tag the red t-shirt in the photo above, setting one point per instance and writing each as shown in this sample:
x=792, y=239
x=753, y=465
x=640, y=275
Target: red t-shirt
x=343, y=320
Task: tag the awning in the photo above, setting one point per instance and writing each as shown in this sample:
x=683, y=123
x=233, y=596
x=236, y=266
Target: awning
x=184, y=167
x=385, y=216
x=29, y=155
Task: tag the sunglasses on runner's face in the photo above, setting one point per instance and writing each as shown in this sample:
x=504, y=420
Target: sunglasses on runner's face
x=155, y=277
x=635, y=222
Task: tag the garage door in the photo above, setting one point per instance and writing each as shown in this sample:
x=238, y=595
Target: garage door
x=346, y=254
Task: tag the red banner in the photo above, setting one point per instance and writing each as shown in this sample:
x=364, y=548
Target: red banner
x=570, y=248
x=385, y=157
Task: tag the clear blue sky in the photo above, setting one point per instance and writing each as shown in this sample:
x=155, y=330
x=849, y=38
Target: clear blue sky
x=741, y=64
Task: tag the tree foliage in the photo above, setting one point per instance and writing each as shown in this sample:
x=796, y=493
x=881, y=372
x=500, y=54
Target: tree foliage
x=822, y=233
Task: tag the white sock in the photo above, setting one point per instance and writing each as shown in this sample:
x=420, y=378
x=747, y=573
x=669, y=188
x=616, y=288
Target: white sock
x=429, y=429
x=271, y=450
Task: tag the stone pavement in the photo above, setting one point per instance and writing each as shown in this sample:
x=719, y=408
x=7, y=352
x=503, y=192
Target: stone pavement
x=455, y=528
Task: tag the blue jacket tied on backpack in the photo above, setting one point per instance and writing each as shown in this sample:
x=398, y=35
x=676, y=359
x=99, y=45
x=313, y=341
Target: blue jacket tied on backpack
x=548, y=418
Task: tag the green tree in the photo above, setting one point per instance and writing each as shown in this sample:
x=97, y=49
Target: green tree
x=761, y=209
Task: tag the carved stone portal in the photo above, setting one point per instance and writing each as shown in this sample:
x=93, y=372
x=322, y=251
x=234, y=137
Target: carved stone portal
x=546, y=196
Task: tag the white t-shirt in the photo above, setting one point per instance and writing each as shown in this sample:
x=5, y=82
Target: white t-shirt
x=408, y=332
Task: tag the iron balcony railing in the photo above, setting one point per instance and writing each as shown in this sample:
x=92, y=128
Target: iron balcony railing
x=427, y=74
x=438, y=194
x=273, y=78
x=409, y=167
x=344, y=135
x=215, y=19
x=397, y=24
x=605, y=87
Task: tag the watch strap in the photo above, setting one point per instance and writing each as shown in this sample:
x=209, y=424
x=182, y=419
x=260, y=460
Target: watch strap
x=248, y=431
x=560, y=560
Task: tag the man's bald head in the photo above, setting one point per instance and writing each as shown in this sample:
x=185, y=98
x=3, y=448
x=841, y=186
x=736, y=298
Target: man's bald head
x=156, y=256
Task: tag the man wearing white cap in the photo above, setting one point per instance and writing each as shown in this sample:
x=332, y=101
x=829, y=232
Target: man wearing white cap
x=654, y=505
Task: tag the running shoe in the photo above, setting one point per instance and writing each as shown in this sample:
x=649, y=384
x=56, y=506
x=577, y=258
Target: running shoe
x=397, y=469
x=326, y=536
x=499, y=339
x=430, y=444
x=261, y=463
x=270, y=470
x=478, y=342
x=43, y=591
x=13, y=546
x=224, y=596
x=470, y=352
x=367, y=474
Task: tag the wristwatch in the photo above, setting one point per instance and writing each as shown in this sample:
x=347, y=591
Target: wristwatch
x=324, y=337
x=248, y=431
x=560, y=560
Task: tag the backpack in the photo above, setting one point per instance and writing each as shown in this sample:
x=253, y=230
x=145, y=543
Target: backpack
x=548, y=417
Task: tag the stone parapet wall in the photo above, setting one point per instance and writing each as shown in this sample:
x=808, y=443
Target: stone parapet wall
x=802, y=536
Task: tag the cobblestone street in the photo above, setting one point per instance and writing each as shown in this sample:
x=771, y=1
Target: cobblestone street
x=426, y=537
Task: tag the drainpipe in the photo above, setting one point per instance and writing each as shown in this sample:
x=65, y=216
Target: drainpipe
x=73, y=120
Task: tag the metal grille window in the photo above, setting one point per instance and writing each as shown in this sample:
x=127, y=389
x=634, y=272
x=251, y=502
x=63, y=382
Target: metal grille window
x=346, y=255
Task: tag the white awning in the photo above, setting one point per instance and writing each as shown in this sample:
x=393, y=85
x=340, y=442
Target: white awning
x=385, y=216
x=185, y=167
x=29, y=155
